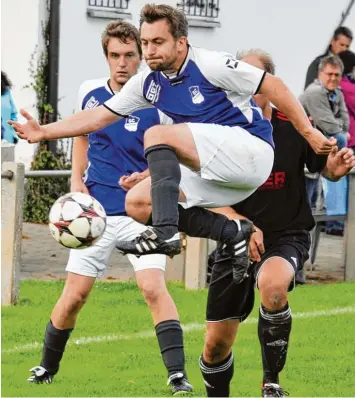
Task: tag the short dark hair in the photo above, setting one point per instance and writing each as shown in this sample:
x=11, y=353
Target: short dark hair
x=343, y=30
x=348, y=59
x=333, y=60
x=5, y=83
x=176, y=18
x=123, y=31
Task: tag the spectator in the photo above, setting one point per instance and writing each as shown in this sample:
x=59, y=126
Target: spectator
x=324, y=101
x=8, y=110
x=348, y=86
x=341, y=41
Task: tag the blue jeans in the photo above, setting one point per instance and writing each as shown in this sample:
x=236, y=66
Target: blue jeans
x=312, y=191
x=336, y=193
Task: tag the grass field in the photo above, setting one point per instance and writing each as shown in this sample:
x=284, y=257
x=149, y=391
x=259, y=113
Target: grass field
x=113, y=351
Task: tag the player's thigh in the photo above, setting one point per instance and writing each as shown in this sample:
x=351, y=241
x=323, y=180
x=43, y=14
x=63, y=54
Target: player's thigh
x=205, y=193
x=177, y=136
x=92, y=261
x=128, y=229
x=231, y=156
x=227, y=300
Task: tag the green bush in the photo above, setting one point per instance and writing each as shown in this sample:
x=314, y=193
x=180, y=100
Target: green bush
x=43, y=192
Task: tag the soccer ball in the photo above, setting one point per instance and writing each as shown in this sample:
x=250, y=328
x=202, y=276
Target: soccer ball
x=77, y=220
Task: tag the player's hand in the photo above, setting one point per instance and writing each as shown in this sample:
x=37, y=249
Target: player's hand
x=340, y=162
x=78, y=186
x=30, y=131
x=320, y=143
x=256, y=245
x=128, y=182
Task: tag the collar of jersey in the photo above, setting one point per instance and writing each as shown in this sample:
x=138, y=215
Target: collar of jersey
x=108, y=87
x=182, y=67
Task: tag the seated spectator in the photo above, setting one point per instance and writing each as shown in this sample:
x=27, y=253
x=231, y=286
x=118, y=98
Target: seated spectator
x=347, y=84
x=324, y=101
x=8, y=111
x=341, y=41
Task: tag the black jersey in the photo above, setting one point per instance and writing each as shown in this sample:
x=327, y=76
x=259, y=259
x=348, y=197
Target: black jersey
x=281, y=205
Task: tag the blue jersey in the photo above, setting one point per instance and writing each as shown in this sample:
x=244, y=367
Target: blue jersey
x=116, y=150
x=211, y=87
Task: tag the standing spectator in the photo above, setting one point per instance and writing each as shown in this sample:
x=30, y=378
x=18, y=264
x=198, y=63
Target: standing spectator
x=324, y=101
x=8, y=110
x=348, y=86
x=341, y=41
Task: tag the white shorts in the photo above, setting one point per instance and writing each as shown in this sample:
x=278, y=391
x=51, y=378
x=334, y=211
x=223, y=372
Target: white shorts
x=93, y=260
x=234, y=163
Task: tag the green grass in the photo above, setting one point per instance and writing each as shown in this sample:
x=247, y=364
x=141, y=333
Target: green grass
x=320, y=362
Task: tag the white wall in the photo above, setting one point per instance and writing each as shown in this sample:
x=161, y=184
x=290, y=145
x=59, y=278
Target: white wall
x=20, y=33
x=294, y=32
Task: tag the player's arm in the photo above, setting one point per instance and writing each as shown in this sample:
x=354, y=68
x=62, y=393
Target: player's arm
x=127, y=101
x=256, y=245
x=79, y=164
x=84, y=122
x=278, y=93
x=226, y=72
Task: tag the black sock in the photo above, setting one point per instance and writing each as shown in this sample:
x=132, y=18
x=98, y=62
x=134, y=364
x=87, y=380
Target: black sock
x=202, y=223
x=171, y=343
x=274, y=330
x=217, y=377
x=55, y=341
x=165, y=173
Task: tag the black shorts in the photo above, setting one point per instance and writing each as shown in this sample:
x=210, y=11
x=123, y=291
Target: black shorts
x=227, y=300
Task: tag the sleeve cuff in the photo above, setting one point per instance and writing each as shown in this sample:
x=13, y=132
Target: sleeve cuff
x=116, y=113
x=260, y=83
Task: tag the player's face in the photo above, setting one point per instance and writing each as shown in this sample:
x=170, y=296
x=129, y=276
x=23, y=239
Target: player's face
x=341, y=43
x=330, y=77
x=123, y=60
x=160, y=50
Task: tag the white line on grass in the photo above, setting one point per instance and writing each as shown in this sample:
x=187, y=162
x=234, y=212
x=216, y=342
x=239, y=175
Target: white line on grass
x=187, y=328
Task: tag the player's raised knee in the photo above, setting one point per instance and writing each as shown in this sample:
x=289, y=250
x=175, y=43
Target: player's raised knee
x=273, y=296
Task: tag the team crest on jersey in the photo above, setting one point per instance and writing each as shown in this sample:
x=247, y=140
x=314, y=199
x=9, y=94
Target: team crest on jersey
x=196, y=95
x=153, y=92
x=232, y=63
x=92, y=103
x=131, y=123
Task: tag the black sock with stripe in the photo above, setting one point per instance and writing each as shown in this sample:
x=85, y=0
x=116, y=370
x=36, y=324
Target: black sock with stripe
x=217, y=377
x=274, y=330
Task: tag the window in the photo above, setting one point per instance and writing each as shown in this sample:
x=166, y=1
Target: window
x=109, y=9
x=110, y=4
x=200, y=8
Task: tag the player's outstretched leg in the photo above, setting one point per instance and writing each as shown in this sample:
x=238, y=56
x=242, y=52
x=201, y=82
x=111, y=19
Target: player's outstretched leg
x=60, y=327
x=275, y=321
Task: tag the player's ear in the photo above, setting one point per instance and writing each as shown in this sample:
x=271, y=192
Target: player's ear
x=182, y=43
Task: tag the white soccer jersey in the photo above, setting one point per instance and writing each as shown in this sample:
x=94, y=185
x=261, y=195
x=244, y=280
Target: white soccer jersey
x=211, y=87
